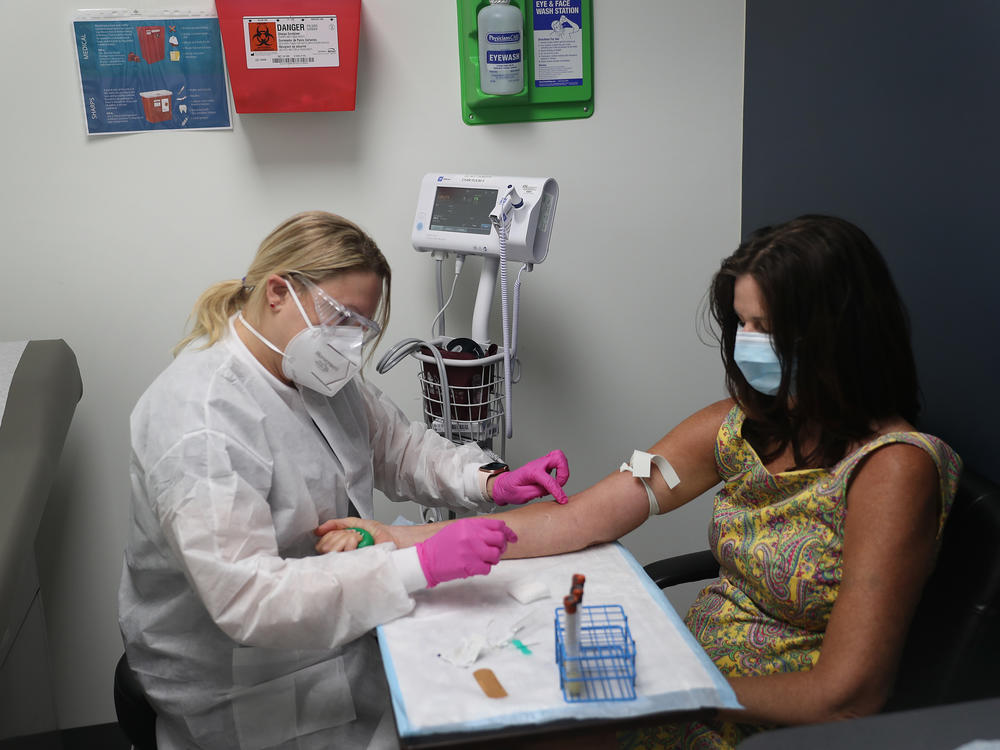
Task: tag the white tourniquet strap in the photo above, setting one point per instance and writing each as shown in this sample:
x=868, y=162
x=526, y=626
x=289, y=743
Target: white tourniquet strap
x=641, y=465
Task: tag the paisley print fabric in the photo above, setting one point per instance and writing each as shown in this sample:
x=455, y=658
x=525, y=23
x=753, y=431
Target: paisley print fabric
x=779, y=542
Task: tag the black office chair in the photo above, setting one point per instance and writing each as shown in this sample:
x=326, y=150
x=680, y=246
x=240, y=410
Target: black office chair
x=951, y=651
x=135, y=716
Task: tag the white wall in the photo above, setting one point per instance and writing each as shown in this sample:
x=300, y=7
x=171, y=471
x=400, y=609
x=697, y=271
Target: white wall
x=97, y=253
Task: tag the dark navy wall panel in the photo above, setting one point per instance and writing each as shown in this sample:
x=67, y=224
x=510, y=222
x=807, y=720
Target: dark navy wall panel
x=888, y=114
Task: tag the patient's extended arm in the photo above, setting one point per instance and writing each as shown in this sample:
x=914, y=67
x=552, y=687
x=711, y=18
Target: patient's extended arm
x=603, y=512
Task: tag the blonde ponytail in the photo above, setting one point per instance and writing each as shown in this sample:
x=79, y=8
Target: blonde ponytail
x=212, y=311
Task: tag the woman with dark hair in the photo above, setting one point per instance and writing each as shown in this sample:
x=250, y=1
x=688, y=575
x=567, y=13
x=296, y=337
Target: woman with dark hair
x=831, y=507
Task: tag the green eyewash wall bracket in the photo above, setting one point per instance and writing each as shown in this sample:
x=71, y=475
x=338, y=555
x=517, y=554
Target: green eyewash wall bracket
x=558, y=60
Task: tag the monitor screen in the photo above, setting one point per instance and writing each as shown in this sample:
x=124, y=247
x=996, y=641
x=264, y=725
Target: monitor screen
x=460, y=209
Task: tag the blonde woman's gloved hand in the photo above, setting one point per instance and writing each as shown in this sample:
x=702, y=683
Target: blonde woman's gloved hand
x=463, y=548
x=532, y=480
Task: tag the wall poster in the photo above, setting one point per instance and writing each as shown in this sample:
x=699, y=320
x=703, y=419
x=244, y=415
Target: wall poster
x=143, y=71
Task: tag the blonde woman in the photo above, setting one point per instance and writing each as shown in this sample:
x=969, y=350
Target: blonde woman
x=241, y=634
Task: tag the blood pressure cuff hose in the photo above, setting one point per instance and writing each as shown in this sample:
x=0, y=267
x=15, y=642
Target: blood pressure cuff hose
x=641, y=465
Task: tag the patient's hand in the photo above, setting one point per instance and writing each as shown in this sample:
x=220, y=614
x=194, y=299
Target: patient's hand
x=401, y=536
x=336, y=535
x=339, y=540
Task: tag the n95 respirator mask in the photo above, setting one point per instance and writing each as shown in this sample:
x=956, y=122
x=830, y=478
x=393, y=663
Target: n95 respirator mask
x=322, y=358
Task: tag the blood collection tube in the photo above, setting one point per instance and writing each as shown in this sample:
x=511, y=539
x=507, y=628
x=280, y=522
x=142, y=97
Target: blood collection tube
x=574, y=683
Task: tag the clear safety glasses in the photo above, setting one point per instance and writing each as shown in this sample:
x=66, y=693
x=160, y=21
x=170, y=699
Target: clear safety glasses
x=332, y=313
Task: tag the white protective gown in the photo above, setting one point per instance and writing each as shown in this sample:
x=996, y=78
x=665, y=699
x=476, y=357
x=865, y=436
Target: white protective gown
x=241, y=635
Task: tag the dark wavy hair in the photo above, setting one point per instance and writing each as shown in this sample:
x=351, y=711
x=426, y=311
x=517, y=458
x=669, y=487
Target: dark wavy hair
x=839, y=328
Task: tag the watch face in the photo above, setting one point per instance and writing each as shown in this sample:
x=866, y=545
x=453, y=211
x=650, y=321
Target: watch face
x=493, y=468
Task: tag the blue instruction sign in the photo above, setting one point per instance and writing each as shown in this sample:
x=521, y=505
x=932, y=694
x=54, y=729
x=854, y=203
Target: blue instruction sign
x=558, y=27
x=140, y=73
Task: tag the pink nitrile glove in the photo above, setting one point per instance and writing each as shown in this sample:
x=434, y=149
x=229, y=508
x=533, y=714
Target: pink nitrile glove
x=532, y=480
x=463, y=548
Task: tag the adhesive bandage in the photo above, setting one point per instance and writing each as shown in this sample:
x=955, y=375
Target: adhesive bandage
x=641, y=466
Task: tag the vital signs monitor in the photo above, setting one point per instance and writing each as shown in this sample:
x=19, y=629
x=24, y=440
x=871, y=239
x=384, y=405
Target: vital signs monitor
x=457, y=213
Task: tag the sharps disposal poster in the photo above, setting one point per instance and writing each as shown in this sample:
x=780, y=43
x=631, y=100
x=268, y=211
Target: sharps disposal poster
x=141, y=73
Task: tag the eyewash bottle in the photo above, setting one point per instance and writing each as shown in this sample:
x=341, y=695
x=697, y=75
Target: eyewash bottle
x=501, y=44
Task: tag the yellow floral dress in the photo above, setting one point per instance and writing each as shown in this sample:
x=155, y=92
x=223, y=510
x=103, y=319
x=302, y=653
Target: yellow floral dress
x=779, y=542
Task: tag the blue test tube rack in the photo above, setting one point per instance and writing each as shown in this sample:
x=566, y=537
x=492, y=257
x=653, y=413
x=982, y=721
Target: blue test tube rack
x=604, y=669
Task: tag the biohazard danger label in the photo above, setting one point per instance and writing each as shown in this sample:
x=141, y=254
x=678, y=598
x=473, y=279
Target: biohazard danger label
x=292, y=42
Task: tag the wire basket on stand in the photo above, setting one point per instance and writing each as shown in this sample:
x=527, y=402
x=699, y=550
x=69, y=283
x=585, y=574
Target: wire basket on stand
x=463, y=395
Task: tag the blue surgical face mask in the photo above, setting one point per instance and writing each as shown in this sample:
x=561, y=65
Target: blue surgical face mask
x=755, y=356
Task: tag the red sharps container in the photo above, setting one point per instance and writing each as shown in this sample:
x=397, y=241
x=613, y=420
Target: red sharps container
x=151, y=43
x=157, y=105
